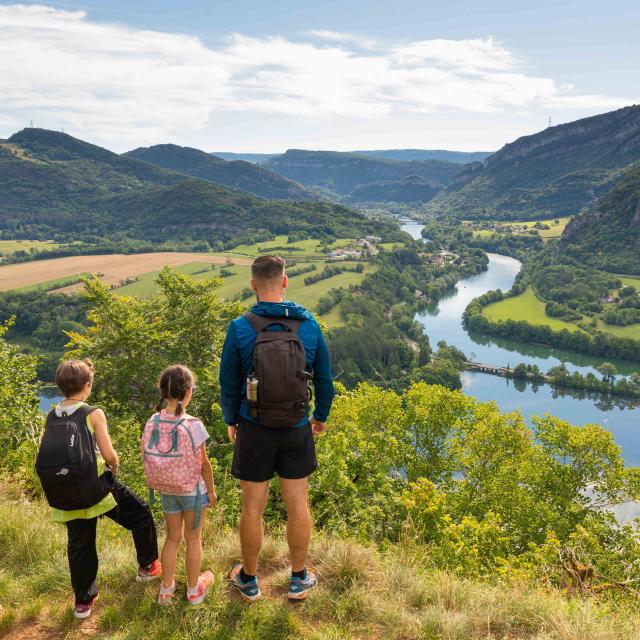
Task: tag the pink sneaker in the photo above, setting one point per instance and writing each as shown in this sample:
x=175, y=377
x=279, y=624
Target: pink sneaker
x=165, y=597
x=205, y=581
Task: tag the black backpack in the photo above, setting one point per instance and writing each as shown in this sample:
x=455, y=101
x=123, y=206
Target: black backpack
x=66, y=462
x=279, y=366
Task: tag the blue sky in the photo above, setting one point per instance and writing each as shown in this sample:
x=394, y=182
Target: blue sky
x=266, y=76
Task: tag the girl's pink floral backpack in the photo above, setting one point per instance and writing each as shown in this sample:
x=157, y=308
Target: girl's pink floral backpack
x=171, y=461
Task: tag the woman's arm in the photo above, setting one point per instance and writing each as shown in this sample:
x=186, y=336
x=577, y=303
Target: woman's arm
x=99, y=424
x=207, y=476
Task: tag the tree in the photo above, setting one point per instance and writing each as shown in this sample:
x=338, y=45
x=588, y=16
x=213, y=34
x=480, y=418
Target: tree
x=20, y=419
x=132, y=340
x=608, y=371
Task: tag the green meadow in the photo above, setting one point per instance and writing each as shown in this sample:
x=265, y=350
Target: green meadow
x=630, y=281
x=55, y=283
x=301, y=249
x=9, y=247
x=526, y=307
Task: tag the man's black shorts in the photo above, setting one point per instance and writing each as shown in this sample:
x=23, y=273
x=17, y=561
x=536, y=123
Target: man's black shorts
x=260, y=452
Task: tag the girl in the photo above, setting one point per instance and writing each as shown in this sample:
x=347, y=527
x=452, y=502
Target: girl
x=182, y=513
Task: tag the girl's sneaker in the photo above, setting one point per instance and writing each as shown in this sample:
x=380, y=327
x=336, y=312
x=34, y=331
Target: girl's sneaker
x=204, y=586
x=299, y=588
x=147, y=574
x=83, y=611
x=165, y=597
x=250, y=590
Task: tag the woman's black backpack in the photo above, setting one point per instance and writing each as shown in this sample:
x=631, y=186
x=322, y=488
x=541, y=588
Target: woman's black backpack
x=66, y=462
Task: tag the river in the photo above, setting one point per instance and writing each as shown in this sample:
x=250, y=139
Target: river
x=444, y=322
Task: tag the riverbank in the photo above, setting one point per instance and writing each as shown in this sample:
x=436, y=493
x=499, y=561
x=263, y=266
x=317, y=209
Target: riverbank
x=443, y=321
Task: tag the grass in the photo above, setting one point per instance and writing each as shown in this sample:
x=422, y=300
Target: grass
x=527, y=307
x=52, y=285
x=531, y=309
x=555, y=229
x=306, y=295
x=363, y=594
x=8, y=247
x=309, y=248
x=630, y=331
x=630, y=281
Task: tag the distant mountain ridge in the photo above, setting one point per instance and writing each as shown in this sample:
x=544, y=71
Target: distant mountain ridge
x=236, y=174
x=557, y=171
x=458, y=157
x=338, y=173
x=255, y=158
x=608, y=235
x=52, y=183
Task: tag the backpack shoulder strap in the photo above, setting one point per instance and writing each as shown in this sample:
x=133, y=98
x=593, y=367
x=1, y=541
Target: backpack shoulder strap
x=260, y=323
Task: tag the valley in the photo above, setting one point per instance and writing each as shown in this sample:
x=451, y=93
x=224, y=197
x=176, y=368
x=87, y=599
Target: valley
x=443, y=321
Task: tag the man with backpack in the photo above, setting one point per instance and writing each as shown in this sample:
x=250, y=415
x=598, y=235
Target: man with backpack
x=270, y=356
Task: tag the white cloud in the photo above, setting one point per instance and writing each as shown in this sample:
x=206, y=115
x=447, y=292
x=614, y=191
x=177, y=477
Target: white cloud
x=340, y=36
x=128, y=86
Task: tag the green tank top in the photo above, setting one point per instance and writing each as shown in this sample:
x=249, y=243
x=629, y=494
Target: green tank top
x=106, y=504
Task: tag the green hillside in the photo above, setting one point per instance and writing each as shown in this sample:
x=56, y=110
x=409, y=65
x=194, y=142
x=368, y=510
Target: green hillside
x=340, y=173
x=52, y=183
x=409, y=189
x=555, y=172
x=363, y=594
x=237, y=174
x=608, y=236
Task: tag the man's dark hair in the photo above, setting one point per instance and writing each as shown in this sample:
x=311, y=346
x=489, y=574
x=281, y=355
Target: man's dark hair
x=267, y=268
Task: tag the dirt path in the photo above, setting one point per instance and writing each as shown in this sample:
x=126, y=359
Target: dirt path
x=115, y=267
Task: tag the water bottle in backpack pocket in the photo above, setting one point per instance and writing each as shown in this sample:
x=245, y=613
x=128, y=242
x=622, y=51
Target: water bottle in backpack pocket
x=67, y=462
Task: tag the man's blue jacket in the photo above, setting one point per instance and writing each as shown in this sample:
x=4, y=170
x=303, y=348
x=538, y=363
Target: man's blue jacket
x=237, y=360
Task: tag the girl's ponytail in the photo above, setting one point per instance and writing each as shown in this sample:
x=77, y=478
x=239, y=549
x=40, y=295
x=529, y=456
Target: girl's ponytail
x=175, y=382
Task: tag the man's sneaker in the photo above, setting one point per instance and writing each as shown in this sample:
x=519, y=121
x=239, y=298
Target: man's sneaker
x=250, y=590
x=165, y=597
x=299, y=588
x=147, y=574
x=83, y=611
x=204, y=586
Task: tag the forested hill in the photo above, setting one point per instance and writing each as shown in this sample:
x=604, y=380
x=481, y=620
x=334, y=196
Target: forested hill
x=237, y=174
x=555, y=172
x=340, y=173
x=409, y=189
x=54, y=184
x=608, y=236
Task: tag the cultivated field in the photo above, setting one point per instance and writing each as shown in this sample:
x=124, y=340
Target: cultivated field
x=115, y=268
x=306, y=295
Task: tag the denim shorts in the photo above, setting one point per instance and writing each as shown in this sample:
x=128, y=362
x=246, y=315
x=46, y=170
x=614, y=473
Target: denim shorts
x=177, y=504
